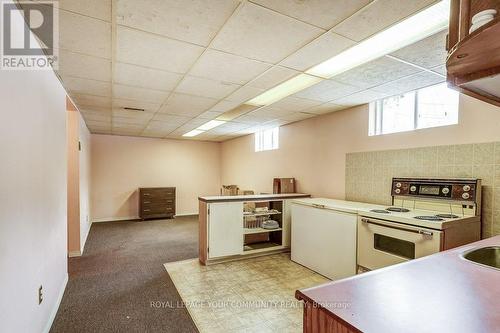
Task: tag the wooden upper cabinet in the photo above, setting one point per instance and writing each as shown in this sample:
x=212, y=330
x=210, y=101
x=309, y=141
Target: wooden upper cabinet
x=473, y=64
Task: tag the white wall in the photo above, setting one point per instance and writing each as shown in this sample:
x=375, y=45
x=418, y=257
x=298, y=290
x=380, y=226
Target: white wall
x=85, y=172
x=32, y=199
x=121, y=164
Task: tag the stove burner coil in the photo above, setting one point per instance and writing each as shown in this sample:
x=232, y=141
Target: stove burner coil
x=398, y=209
x=448, y=216
x=381, y=211
x=429, y=218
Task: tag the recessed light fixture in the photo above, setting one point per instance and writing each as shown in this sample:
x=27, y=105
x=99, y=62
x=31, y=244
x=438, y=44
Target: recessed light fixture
x=287, y=88
x=211, y=124
x=417, y=27
x=194, y=132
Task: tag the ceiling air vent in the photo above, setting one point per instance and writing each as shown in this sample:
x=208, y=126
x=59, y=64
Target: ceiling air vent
x=134, y=109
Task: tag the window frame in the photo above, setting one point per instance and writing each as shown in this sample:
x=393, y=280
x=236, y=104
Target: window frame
x=376, y=117
x=260, y=139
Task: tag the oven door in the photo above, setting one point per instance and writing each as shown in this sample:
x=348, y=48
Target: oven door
x=383, y=243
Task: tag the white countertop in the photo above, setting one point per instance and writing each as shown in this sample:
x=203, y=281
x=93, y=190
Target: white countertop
x=364, y=209
x=253, y=197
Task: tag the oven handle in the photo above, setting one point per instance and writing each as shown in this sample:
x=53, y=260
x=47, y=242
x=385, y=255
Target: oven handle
x=418, y=231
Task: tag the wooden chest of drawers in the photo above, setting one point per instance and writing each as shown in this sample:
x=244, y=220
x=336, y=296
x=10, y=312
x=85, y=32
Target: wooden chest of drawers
x=156, y=202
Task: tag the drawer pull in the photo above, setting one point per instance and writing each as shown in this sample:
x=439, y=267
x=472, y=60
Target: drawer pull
x=146, y=194
x=146, y=202
x=147, y=210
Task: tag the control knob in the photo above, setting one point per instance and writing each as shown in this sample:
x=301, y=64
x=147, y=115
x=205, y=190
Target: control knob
x=398, y=185
x=466, y=188
x=398, y=191
x=445, y=190
x=413, y=188
x=465, y=196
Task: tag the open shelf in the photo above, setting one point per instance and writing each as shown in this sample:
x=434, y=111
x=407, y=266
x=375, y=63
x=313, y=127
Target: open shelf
x=261, y=214
x=261, y=247
x=250, y=231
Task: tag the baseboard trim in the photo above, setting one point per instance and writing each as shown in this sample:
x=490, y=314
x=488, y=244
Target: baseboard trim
x=73, y=254
x=114, y=219
x=187, y=214
x=53, y=314
x=131, y=218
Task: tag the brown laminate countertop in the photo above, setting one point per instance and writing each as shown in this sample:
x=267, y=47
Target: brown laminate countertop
x=439, y=293
x=253, y=197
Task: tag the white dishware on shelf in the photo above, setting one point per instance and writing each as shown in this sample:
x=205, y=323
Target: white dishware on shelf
x=482, y=18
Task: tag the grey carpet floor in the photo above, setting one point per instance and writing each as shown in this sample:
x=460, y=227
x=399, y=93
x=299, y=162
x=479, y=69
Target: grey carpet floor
x=112, y=286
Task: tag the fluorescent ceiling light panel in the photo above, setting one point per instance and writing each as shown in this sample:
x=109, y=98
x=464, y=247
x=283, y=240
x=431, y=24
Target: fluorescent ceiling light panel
x=193, y=133
x=287, y=88
x=417, y=27
x=211, y=124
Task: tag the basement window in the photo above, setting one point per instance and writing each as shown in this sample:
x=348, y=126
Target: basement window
x=424, y=108
x=267, y=139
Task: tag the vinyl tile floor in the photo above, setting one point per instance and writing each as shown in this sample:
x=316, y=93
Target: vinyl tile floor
x=251, y=295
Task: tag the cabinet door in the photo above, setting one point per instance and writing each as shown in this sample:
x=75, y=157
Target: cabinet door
x=324, y=240
x=225, y=229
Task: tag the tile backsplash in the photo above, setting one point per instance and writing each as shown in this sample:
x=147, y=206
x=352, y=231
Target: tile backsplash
x=369, y=174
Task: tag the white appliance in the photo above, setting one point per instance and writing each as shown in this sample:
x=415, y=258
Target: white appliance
x=324, y=238
x=428, y=216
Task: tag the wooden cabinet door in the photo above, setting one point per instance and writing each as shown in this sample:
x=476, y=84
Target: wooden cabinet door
x=225, y=229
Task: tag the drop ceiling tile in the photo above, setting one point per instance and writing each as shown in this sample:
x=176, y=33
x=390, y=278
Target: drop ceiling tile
x=297, y=116
x=259, y=33
x=229, y=127
x=84, y=100
x=295, y=104
x=209, y=115
x=153, y=134
x=127, y=126
x=139, y=115
x=273, y=77
x=319, y=50
x=327, y=91
x=126, y=131
x=148, y=50
x=143, y=77
x=410, y=83
x=244, y=94
x=321, y=13
x=377, y=16
x=84, y=34
x=136, y=122
x=376, y=72
x=97, y=124
x=166, y=127
x=138, y=94
x=271, y=112
x=429, y=52
x=89, y=116
x=253, y=118
x=205, y=87
x=221, y=66
x=171, y=119
x=195, y=21
x=324, y=108
x=187, y=105
x=85, y=86
x=119, y=104
x=84, y=66
x=100, y=9
x=362, y=97
x=224, y=106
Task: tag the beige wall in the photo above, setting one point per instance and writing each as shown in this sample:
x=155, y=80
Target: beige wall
x=85, y=178
x=73, y=183
x=120, y=165
x=33, y=239
x=314, y=150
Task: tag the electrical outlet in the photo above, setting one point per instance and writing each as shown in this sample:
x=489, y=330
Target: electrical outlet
x=40, y=295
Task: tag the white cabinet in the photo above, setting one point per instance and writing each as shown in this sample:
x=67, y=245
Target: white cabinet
x=324, y=240
x=225, y=229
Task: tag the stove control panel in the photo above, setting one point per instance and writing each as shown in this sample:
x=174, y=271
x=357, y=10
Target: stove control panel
x=445, y=189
